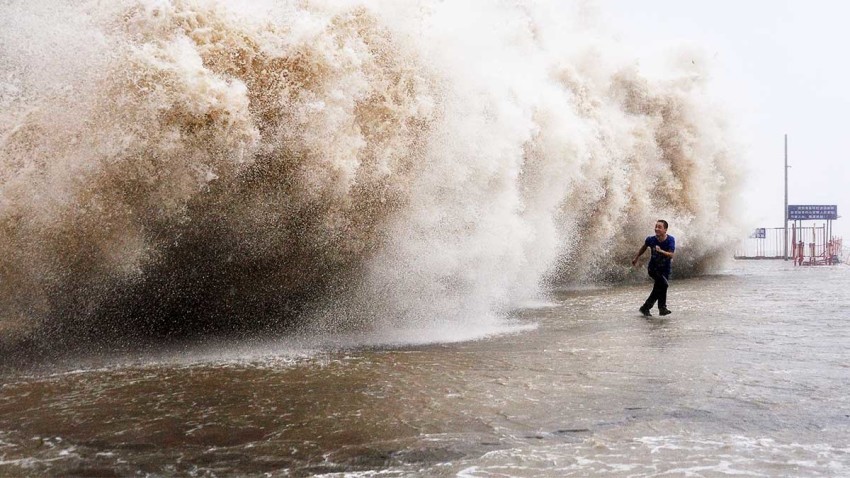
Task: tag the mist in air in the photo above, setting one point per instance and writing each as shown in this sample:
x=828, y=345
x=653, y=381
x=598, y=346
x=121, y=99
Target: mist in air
x=174, y=169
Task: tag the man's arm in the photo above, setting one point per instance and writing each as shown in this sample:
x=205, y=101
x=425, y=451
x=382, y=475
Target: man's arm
x=640, y=253
x=664, y=253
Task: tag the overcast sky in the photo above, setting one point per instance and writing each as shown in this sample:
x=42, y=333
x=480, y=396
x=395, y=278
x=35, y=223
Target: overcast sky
x=779, y=67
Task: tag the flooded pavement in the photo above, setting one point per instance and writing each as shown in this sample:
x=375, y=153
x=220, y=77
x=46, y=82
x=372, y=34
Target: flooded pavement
x=748, y=377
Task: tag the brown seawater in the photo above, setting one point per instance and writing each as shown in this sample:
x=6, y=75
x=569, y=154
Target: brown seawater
x=747, y=377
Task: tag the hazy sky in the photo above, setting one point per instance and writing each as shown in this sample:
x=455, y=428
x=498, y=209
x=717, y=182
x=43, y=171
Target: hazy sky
x=778, y=67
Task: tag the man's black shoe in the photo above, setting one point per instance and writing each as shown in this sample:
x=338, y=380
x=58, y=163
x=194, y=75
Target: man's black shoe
x=664, y=311
x=645, y=312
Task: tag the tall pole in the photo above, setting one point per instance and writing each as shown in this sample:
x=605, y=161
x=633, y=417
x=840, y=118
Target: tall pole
x=785, y=211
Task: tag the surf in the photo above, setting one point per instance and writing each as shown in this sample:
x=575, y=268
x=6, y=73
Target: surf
x=176, y=169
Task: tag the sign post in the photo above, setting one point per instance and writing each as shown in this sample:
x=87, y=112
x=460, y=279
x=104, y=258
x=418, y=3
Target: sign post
x=785, y=222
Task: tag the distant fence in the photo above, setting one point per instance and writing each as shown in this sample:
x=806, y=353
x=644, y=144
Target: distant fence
x=806, y=245
x=764, y=243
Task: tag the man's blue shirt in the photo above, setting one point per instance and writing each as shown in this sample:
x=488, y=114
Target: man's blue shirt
x=658, y=262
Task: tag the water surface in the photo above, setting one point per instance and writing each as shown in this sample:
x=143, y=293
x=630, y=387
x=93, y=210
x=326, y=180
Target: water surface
x=748, y=377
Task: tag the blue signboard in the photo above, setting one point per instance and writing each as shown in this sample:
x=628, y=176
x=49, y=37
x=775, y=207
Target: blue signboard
x=759, y=233
x=812, y=212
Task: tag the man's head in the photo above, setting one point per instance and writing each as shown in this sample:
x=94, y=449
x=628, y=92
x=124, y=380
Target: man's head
x=660, y=227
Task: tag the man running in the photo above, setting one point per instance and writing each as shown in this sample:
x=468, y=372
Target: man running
x=662, y=246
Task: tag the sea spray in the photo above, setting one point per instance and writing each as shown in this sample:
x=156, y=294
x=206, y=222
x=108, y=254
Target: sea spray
x=200, y=168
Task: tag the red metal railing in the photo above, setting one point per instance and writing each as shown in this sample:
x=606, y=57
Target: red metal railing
x=822, y=251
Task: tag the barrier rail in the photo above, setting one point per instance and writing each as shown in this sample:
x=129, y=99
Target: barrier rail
x=807, y=245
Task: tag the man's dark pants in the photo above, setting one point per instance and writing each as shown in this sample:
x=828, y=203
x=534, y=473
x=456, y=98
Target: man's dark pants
x=659, y=290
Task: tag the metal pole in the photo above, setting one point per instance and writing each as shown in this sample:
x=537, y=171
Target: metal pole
x=794, y=241
x=785, y=211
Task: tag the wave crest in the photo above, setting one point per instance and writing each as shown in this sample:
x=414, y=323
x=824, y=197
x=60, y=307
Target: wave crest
x=198, y=169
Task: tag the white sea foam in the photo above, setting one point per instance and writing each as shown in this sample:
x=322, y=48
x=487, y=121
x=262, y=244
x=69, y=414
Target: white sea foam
x=721, y=455
x=359, y=164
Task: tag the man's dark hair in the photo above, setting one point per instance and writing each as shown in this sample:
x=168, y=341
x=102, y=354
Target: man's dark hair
x=662, y=221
